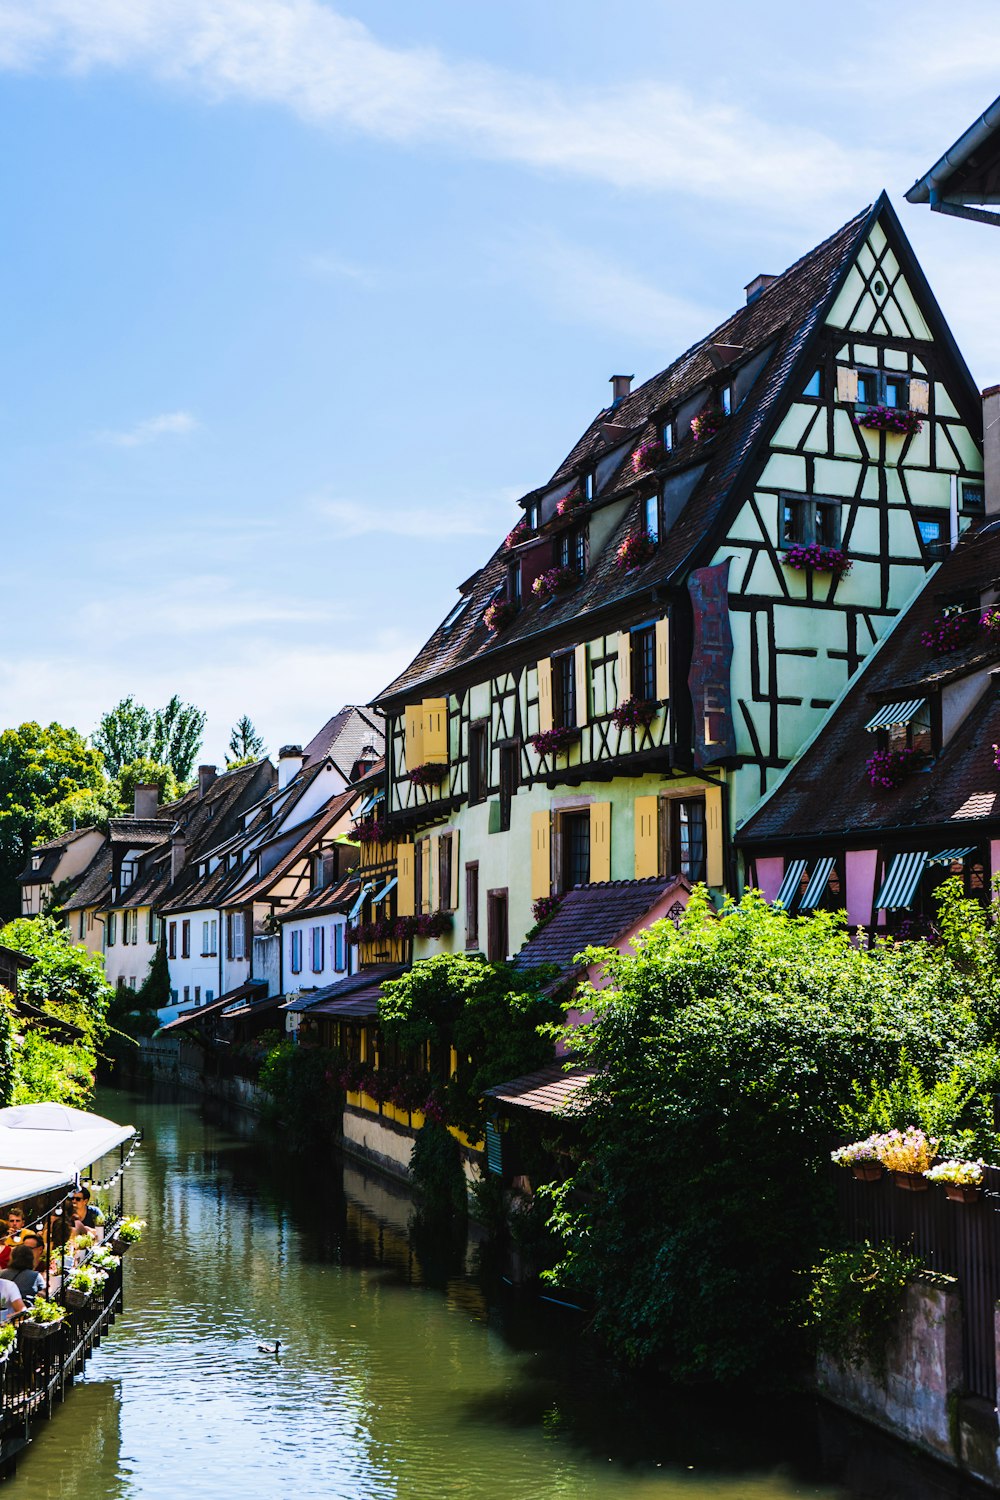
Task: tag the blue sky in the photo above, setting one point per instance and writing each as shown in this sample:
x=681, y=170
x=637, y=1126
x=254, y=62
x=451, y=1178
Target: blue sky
x=300, y=298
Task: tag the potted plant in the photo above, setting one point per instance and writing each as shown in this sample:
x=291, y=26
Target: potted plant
x=42, y=1319
x=431, y=774
x=498, y=615
x=128, y=1232
x=962, y=1180
x=707, y=423
x=551, y=741
x=104, y=1260
x=889, y=419
x=517, y=533
x=817, y=559
x=8, y=1338
x=637, y=548
x=569, y=502
x=887, y=769
x=948, y=632
x=907, y=1154
x=554, y=581
x=83, y=1285
x=647, y=456
x=633, y=713
x=861, y=1157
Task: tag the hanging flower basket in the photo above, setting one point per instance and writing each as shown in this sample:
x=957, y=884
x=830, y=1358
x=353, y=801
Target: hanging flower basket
x=910, y=1182
x=569, y=503
x=949, y=632
x=647, y=456
x=888, y=769
x=517, y=533
x=551, y=741
x=633, y=713
x=889, y=419
x=990, y=620
x=555, y=581
x=428, y=775
x=635, y=550
x=498, y=615
x=372, y=831
x=817, y=559
x=707, y=423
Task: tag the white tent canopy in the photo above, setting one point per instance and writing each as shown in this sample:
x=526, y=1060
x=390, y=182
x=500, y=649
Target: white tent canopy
x=46, y=1146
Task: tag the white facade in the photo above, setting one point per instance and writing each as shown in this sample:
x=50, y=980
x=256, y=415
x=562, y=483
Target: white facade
x=315, y=951
x=130, y=938
x=194, y=957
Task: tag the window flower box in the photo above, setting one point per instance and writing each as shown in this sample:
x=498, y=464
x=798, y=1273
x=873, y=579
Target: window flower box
x=949, y=632
x=634, y=713
x=861, y=1157
x=569, y=503
x=990, y=620
x=962, y=1180
x=498, y=615
x=635, y=550
x=372, y=831
x=889, y=419
x=518, y=533
x=817, y=559
x=551, y=741
x=554, y=581
x=707, y=423
x=888, y=769
x=647, y=456
x=431, y=774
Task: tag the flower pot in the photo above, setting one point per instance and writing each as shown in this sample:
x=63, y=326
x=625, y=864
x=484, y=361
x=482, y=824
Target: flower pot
x=867, y=1171
x=911, y=1182
x=33, y=1330
x=76, y=1298
x=962, y=1192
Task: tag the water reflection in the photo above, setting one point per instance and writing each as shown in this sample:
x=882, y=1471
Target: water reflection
x=398, y=1377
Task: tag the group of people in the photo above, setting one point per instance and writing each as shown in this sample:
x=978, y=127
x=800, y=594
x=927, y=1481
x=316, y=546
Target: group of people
x=25, y=1248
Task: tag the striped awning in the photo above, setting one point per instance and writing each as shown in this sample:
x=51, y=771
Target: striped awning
x=948, y=856
x=370, y=803
x=384, y=891
x=368, y=886
x=817, y=883
x=901, y=880
x=896, y=713
x=790, y=884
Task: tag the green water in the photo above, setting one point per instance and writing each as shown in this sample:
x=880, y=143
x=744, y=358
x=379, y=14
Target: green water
x=397, y=1378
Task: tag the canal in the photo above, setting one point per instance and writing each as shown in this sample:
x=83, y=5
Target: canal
x=398, y=1377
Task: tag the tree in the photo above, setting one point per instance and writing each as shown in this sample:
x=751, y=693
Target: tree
x=177, y=735
x=124, y=734
x=245, y=744
x=144, y=773
x=169, y=736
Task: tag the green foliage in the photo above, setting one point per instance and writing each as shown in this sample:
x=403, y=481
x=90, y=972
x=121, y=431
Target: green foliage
x=304, y=1096
x=144, y=772
x=47, y=1069
x=436, y=1171
x=133, y=1013
x=43, y=1311
x=245, y=744
x=169, y=736
x=726, y=1052
x=490, y=1013
x=855, y=1299
x=64, y=974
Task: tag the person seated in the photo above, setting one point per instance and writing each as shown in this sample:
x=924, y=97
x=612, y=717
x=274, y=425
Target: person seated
x=15, y=1228
x=87, y=1214
x=11, y=1301
x=23, y=1274
x=34, y=1239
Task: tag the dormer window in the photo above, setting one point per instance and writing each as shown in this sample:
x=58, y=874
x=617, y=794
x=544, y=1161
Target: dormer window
x=531, y=514
x=514, y=583
x=651, y=517
x=571, y=550
x=904, y=726
x=726, y=400
x=667, y=437
x=589, y=485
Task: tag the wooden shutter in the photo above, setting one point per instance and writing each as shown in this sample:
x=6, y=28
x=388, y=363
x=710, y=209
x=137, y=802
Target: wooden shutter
x=414, y=744
x=453, y=895
x=663, y=658
x=435, y=731
x=541, y=865
x=847, y=383
x=581, y=667
x=229, y=934
x=624, y=666
x=433, y=896
x=714, y=837
x=544, y=694
x=920, y=396
x=425, y=875
x=404, y=880
x=247, y=920
x=600, y=841
x=647, y=837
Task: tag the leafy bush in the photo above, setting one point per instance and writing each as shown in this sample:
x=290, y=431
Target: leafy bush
x=856, y=1297
x=303, y=1093
x=436, y=1170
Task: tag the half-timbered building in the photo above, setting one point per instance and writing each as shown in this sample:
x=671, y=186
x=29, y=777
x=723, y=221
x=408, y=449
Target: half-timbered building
x=683, y=601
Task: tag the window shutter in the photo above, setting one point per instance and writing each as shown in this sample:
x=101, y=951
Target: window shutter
x=663, y=658
x=582, y=669
x=247, y=918
x=920, y=396
x=624, y=666
x=647, y=837
x=414, y=748
x=453, y=897
x=404, y=880
x=847, y=383
x=433, y=898
x=544, y=694
x=600, y=841
x=229, y=935
x=424, y=848
x=541, y=865
x=714, y=840
x=435, y=731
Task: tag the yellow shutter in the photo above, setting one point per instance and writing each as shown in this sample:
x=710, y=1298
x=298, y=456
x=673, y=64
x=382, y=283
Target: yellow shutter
x=847, y=383
x=414, y=746
x=581, y=668
x=663, y=658
x=541, y=865
x=434, y=862
x=714, y=839
x=647, y=837
x=544, y=695
x=424, y=848
x=404, y=880
x=600, y=841
x=435, y=731
x=453, y=903
x=624, y=666
x=920, y=396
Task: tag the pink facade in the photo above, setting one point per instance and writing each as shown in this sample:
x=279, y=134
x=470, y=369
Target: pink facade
x=862, y=867
x=770, y=873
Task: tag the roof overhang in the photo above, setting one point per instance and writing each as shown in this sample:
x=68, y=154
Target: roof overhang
x=951, y=184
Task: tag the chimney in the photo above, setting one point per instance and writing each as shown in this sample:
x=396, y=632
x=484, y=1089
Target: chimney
x=991, y=449
x=759, y=283
x=621, y=386
x=290, y=762
x=146, y=801
x=178, y=854
x=206, y=775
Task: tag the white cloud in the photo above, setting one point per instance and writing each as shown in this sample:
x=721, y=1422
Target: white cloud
x=474, y=515
x=330, y=69
x=167, y=424
x=207, y=605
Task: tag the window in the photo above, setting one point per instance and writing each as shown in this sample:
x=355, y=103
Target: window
x=884, y=387
x=479, y=762
x=125, y=931
x=185, y=940
x=514, y=583
x=171, y=939
x=589, y=485
x=112, y=928
x=726, y=400
x=973, y=497
x=688, y=837
x=667, y=437
x=339, y=962
x=496, y=926
x=83, y=924
x=916, y=734
x=643, y=640
x=197, y=994
x=205, y=949
x=510, y=765
x=575, y=829
x=236, y=927
x=808, y=519
x=454, y=613
x=296, y=953
x=152, y=927
x=187, y=994
x=127, y=873
x=418, y=874
x=472, y=905
x=317, y=950
x=564, y=691
x=867, y=388
x=932, y=527
x=209, y=996
x=571, y=550
x=651, y=517
x=132, y=918
x=532, y=515
x=896, y=391
x=815, y=385
x=445, y=849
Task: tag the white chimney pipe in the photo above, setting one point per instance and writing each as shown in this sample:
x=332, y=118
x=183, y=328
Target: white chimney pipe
x=290, y=763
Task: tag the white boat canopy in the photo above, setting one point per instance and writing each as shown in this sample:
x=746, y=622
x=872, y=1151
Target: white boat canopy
x=47, y=1146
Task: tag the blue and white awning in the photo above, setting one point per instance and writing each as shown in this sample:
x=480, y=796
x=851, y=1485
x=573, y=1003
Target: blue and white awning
x=901, y=880
x=368, y=886
x=891, y=714
x=384, y=891
x=790, y=884
x=948, y=856
x=817, y=883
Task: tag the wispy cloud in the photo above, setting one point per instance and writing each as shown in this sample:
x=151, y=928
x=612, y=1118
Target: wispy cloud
x=207, y=605
x=476, y=515
x=330, y=69
x=167, y=424
x=335, y=268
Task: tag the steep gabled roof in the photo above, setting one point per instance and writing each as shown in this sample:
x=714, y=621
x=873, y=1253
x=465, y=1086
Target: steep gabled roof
x=345, y=736
x=94, y=885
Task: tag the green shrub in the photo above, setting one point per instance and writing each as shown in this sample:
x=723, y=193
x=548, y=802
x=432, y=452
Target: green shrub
x=855, y=1300
x=303, y=1093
